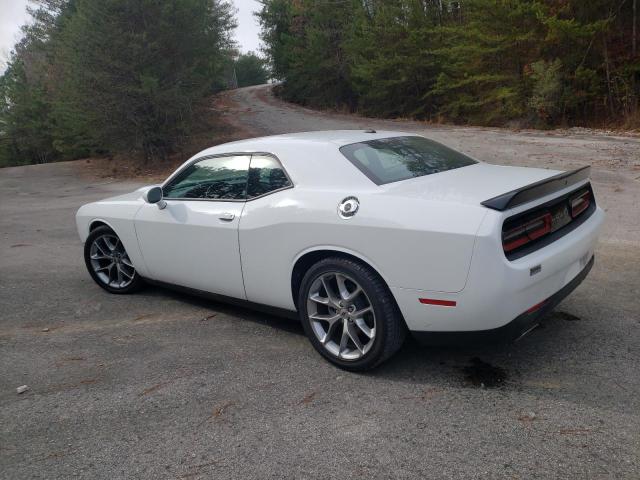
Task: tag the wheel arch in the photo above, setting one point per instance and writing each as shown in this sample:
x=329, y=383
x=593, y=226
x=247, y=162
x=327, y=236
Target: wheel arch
x=96, y=223
x=309, y=257
x=86, y=225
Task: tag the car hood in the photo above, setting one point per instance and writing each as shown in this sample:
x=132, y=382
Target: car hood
x=128, y=197
x=468, y=185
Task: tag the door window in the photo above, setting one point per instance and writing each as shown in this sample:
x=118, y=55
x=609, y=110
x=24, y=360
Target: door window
x=266, y=175
x=216, y=178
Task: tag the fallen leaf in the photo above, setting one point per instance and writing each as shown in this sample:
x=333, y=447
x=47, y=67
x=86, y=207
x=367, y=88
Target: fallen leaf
x=429, y=393
x=60, y=454
x=307, y=399
x=527, y=417
x=153, y=389
x=574, y=431
x=217, y=412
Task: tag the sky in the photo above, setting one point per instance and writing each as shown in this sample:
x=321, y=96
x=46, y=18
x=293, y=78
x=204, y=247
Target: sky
x=13, y=15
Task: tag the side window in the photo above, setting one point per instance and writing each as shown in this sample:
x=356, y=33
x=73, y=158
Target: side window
x=265, y=175
x=217, y=178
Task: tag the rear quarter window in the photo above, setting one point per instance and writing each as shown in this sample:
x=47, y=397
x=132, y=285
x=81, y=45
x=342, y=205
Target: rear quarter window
x=388, y=160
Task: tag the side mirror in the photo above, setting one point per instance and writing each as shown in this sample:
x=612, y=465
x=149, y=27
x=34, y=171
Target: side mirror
x=154, y=195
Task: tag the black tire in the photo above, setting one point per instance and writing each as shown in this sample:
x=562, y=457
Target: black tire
x=390, y=326
x=136, y=282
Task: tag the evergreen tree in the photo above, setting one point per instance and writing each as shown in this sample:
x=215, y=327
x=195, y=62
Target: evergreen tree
x=477, y=61
x=98, y=76
x=391, y=66
x=305, y=39
x=26, y=125
x=250, y=70
x=133, y=69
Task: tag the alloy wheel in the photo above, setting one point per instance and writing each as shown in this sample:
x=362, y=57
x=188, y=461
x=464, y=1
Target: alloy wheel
x=110, y=261
x=341, y=315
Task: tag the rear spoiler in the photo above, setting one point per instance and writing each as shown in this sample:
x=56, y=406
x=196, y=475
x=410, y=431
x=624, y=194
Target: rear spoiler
x=537, y=190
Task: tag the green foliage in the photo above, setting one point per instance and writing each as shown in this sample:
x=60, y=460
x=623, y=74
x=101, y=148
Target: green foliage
x=111, y=76
x=25, y=128
x=477, y=61
x=305, y=41
x=547, y=90
x=250, y=70
x=134, y=69
x=276, y=20
x=389, y=75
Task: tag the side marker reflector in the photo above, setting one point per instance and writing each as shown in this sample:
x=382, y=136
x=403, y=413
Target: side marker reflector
x=440, y=303
x=536, y=307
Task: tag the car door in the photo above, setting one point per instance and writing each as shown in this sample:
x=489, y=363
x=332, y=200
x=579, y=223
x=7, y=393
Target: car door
x=193, y=242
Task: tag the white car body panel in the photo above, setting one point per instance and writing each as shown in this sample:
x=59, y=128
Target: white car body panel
x=118, y=213
x=499, y=290
x=198, y=249
x=426, y=237
x=291, y=224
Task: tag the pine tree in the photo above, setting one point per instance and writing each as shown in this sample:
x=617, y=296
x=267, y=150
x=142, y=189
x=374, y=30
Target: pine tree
x=133, y=70
x=250, y=70
x=478, y=61
x=108, y=76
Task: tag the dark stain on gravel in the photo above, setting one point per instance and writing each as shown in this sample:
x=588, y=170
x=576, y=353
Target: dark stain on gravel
x=484, y=375
x=567, y=317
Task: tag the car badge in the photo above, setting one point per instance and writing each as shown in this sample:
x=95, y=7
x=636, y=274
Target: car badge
x=348, y=207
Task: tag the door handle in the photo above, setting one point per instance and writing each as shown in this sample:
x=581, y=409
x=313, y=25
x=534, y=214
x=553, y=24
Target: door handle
x=227, y=217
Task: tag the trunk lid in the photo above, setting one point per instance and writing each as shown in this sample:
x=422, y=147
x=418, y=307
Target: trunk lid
x=469, y=185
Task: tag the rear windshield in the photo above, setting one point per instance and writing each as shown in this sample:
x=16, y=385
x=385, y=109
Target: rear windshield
x=388, y=160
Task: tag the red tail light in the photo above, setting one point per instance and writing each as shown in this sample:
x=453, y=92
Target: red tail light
x=542, y=225
x=526, y=232
x=580, y=203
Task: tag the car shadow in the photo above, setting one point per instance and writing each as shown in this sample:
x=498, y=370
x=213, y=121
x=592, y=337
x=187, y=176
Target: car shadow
x=494, y=365
x=533, y=362
x=553, y=360
x=243, y=312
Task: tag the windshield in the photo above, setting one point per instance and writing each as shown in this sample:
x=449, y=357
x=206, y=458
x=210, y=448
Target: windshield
x=388, y=160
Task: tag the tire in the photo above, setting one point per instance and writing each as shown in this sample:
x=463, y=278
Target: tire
x=109, y=267
x=380, y=331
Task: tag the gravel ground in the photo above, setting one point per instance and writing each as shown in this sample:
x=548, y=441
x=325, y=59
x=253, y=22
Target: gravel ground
x=163, y=385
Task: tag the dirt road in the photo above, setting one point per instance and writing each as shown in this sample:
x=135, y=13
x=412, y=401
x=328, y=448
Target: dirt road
x=163, y=385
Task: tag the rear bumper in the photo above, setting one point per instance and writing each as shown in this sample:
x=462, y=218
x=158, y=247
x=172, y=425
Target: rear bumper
x=497, y=289
x=513, y=330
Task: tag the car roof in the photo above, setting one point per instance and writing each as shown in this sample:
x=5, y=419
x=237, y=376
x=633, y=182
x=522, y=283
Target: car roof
x=338, y=138
x=311, y=159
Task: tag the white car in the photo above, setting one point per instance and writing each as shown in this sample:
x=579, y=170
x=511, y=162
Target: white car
x=364, y=235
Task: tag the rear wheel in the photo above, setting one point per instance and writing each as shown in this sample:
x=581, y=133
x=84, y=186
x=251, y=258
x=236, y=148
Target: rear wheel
x=108, y=262
x=349, y=314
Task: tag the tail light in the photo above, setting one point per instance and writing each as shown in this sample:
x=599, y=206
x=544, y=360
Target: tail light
x=527, y=232
x=523, y=229
x=580, y=203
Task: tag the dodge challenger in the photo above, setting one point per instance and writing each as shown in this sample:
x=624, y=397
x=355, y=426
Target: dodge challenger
x=363, y=235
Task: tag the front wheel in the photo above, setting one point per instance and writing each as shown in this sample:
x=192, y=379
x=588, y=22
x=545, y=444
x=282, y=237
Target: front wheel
x=108, y=262
x=349, y=314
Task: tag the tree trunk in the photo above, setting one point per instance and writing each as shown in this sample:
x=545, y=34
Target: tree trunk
x=634, y=32
x=608, y=74
x=634, y=51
